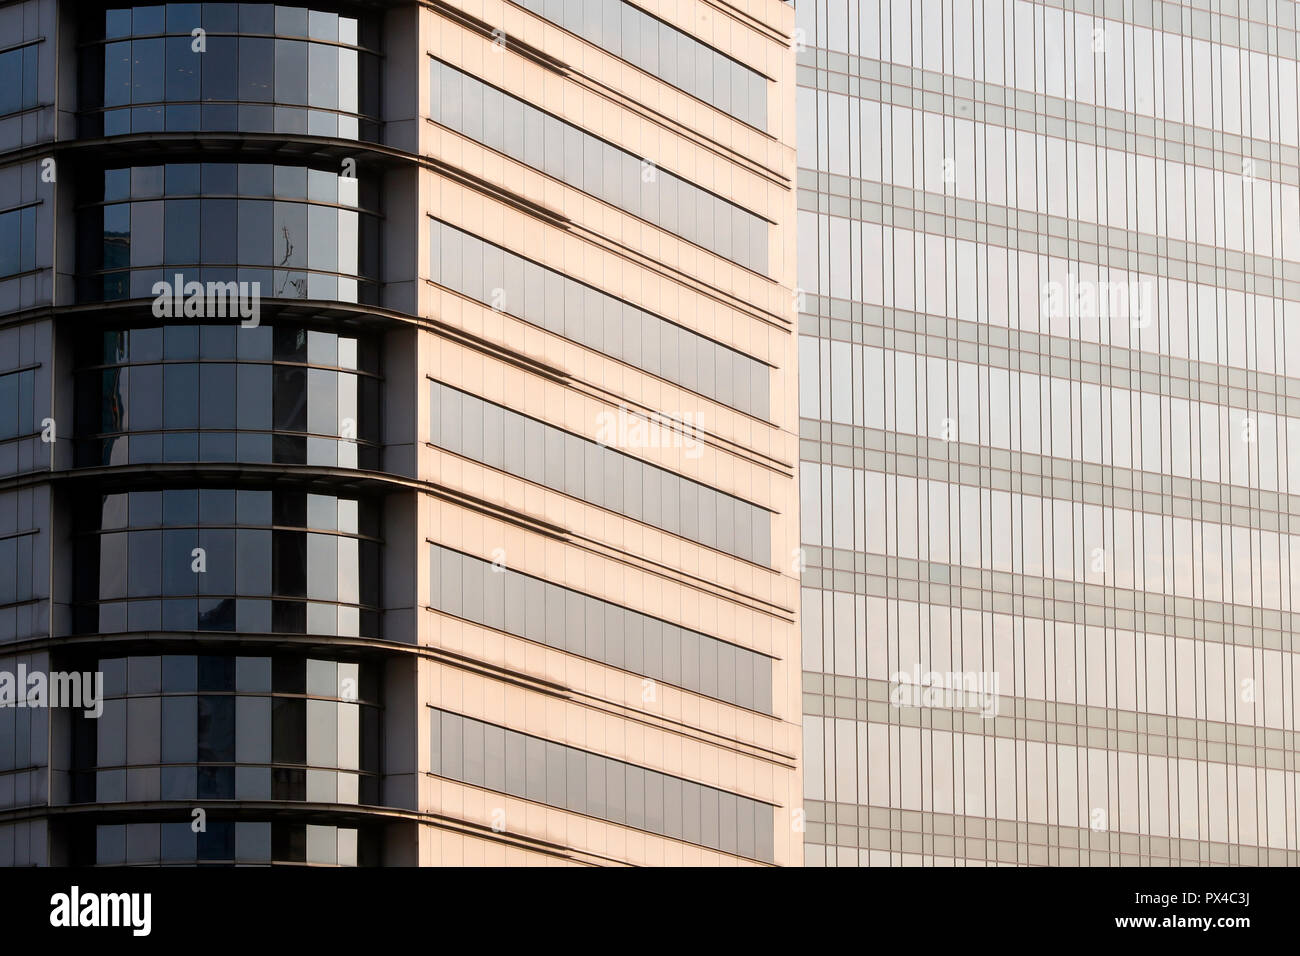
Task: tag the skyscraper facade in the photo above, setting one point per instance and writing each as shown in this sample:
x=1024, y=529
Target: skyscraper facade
x=398, y=433
x=1050, y=431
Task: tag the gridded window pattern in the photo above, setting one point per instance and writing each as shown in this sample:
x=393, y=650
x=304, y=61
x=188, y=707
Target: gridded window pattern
x=24, y=564
x=24, y=741
x=1170, y=68
x=26, y=425
x=553, y=301
x=1078, y=684
x=527, y=448
x=243, y=842
x=945, y=521
x=497, y=758
x=509, y=125
x=1037, y=443
x=17, y=241
x=19, y=79
x=217, y=559
x=185, y=727
x=262, y=69
x=17, y=397
x=663, y=51
x=538, y=610
x=274, y=393
x=25, y=844
x=1022, y=290
x=994, y=164
x=298, y=232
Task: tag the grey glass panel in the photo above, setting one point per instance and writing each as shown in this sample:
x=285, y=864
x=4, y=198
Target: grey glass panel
x=458, y=427
x=570, y=620
x=597, y=321
x=18, y=239
x=182, y=69
x=655, y=784
x=556, y=774
x=220, y=69
x=322, y=733
x=218, y=392
x=615, y=789
x=494, y=757
x=535, y=769
x=462, y=102
x=148, y=68
x=117, y=74
x=516, y=777
x=452, y=760
x=255, y=231
x=570, y=778
x=253, y=729
x=710, y=800
x=257, y=69
x=254, y=397
x=180, y=729
x=323, y=86
x=253, y=841
x=146, y=233
x=635, y=794
x=665, y=52
x=272, y=243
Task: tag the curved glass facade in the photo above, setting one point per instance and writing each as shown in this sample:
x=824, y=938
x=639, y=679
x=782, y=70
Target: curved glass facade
x=226, y=559
x=226, y=842
x=225, y=727
x=276, y=229
x=299, y=232
x=284, y=394
x=16, y=403
x=253, y=68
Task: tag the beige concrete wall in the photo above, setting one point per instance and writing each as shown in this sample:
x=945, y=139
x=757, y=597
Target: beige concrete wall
x=502, y=679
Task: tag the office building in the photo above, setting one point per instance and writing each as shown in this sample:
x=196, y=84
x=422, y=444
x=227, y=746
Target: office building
x=1050, y=431
x=398, y=411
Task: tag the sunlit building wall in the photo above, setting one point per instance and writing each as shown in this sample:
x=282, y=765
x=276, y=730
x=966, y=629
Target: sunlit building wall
x=468, y=534
x=1050, y=431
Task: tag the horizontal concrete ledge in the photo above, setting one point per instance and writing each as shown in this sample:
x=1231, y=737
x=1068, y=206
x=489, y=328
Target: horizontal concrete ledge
x=173, y=811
